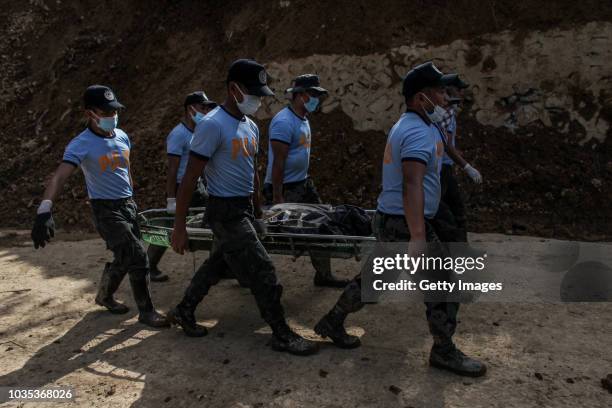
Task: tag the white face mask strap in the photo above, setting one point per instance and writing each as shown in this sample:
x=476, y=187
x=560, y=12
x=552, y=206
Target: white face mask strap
x=94, y=115
x=428, y=100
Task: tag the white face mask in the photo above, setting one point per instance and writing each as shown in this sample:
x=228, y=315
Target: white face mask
x=249, y=104
x=438, y=112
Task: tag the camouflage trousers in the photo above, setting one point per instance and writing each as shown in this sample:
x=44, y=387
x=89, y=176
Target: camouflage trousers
x=237, y=248
x=303, y=192
x=117, y=223
x=441, y=316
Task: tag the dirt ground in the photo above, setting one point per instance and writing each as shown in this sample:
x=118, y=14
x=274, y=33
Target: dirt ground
x=51, y=333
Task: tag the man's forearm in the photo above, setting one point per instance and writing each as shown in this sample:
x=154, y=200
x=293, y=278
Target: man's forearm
x=183, y=196
x=455, y=156
x=256, y=194
x=171, y=184
x=413, y=210
x=278, y=170
x=57, y=181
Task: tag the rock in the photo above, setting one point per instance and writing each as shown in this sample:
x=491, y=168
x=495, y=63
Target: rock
x=395, y=390
x=323, y=373
x=539, y=376
x=607, y=383
x=110, y=390
x=597, y=183
x=381, y=104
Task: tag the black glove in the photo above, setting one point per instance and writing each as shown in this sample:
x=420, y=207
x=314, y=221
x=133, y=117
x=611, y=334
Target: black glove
x=43, y=230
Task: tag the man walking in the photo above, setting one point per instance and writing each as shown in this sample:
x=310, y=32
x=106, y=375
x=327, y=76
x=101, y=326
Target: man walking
x=178, y=145
x=225, y=145
x=406, y=205
x=287, y=177
x=102, y=151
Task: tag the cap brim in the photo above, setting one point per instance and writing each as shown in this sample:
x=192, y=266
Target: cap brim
x=447, y=80
x=112, y=106
x=318, y=89
x=260, y=91
x=209, y=103
x=312, y=88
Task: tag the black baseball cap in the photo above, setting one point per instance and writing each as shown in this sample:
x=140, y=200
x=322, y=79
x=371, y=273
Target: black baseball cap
x=307, y=82
x=454, y=80
x=198, y=97
x=252, y=75
x=101, y=97
x=423, y=76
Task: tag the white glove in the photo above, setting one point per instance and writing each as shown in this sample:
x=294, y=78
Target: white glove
x=473, y=173
x=171, y=205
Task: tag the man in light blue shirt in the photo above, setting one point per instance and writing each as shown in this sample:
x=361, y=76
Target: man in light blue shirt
x=289, y=158
x=102, y=151
x=225, y=146
x=406, y=206
x=451, y=214
x=178, y=146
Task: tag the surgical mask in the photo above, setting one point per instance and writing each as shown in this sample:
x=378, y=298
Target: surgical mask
x=249, y=104
x=312, y=104
x=108, y=124
x=197, y=117
x=438, y=112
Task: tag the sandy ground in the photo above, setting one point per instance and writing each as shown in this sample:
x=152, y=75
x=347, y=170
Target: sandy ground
x=51, y=333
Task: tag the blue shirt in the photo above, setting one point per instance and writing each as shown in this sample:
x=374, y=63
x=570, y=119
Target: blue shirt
x=411, y=138
x=178, y=143
x=287, y=127
x=450, y=125
x=104, y=161
x=230, y=145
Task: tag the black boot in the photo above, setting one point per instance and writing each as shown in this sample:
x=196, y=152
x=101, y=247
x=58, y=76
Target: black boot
x=332, y=326
x=155, y=253
x=110, y=281
x=285, y=339
x=452, y=359
x=330, y=281
x=147, y=313
x=157, y=276
x=184, y=315
x=324, y=276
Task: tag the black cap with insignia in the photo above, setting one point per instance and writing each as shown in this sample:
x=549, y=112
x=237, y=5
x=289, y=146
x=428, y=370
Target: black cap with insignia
x=101, y=97
x=454, y=80
x=252, y=75
x=200, y=98
x=423, y=76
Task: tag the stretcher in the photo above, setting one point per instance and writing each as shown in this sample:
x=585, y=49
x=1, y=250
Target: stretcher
x=156, y=228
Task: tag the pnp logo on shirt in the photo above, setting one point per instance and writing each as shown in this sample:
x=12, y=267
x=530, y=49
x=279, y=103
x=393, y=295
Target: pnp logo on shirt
x=244, y=146
x=305, y=140
x=388, y=157
x=114, y=160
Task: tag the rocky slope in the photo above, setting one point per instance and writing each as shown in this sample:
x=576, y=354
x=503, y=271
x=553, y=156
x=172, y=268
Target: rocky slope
x=537, y=124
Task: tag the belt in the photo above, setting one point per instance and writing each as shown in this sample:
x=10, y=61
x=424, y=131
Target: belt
x=110, y=200
x=236, y=199
x=395, y=216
